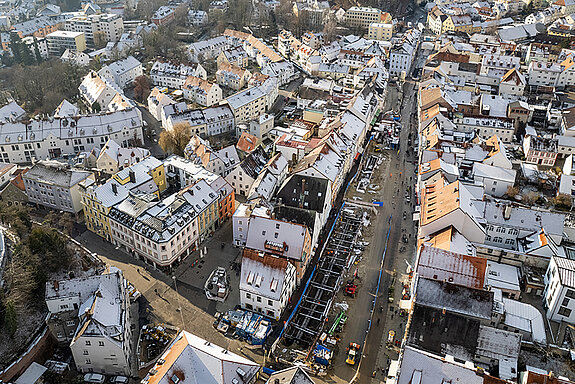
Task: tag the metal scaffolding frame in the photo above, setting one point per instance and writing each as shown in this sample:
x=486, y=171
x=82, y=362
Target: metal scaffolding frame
x=311, y=315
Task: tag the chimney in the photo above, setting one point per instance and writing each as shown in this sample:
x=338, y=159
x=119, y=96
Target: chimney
x=507, y=212
x=115, y=189
x=132, y=176
x=56, y=285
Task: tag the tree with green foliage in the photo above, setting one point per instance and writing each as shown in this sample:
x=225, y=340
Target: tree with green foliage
x=20, y=50
x=17, y=217
x=37, y=51
x=10, y=318
x=50, y=246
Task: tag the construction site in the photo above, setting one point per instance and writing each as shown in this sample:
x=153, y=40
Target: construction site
x=305, y=326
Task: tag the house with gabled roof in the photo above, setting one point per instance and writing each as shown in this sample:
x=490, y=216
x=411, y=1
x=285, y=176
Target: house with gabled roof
x=281, y=239
x=201, y=91
x=220, y=162
x=190, y=358
x=269, y=179
x=232, y=76
x=102, y=341
x=266, y=282
x=444, y=205
x=243, y=175
x=512, y=83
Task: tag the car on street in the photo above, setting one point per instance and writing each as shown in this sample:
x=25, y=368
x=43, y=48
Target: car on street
x=95, y=378
x=352, y=353
x=119, y=380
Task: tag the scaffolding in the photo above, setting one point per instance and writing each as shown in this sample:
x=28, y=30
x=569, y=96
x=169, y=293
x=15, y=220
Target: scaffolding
x=337, y=257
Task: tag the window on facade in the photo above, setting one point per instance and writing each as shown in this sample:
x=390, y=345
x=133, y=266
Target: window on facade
x=570, y=294
x=563, y=311
x=258, y=299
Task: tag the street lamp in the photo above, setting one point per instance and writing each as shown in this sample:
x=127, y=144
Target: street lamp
x=179, y=309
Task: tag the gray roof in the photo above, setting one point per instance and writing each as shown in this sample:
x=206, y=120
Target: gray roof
x=244, y=97
x=292, y=375
x=566, y=268
x=457, y=299
x=524, y=218
x=497, y=343
x=492, y=172
x=422, y=367
x=100, y=124
x=566, y=141
x=264, y=233
x=55, y=173
x=10, y=112
x=124, y=65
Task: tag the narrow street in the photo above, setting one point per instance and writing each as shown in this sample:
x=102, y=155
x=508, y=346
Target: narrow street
x=400, y=169
x=393, y=176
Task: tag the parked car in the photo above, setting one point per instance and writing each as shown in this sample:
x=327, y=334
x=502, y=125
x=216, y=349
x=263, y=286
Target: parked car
x=94, y=378
x=119, y=380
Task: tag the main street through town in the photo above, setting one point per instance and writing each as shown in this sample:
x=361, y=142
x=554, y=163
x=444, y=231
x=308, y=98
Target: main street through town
x=397, y=174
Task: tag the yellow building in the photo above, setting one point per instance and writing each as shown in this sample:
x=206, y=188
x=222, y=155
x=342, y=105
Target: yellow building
x=461, y=23
x=362, y=17
x=380, y=31
x=204, y=200
x=440, y=23
x=59, y=41
x=146, y=177
x=97, y=202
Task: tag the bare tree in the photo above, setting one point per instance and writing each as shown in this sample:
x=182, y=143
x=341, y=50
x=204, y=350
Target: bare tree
x=284, y=13
x=330, y=30
x=141, y=88
x=563, y=201
x=181, y=15
x=512, y=191
x=176, y=139
x=530, y=198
